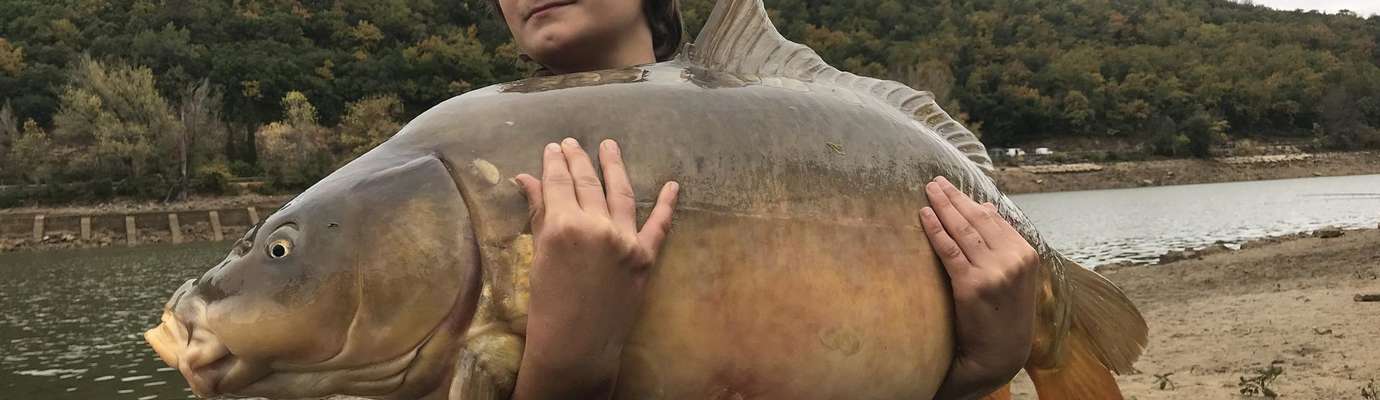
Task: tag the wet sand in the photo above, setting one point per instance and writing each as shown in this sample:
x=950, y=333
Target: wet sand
x=1289, y=304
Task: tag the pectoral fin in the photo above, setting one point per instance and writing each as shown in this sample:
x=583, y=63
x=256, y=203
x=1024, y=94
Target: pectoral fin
x=487, y=369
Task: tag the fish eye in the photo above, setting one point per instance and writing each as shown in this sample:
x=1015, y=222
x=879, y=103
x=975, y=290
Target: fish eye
x=279, y=248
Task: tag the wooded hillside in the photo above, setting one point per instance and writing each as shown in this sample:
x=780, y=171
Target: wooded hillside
x=173, y=91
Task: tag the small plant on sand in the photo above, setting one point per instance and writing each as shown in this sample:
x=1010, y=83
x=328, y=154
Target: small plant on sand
x=1259, y=383
x=1162, y=381
x=1370, y=392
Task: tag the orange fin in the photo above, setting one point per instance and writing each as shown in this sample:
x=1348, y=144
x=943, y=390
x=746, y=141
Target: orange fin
x=1001, y=394
x=1080, y=377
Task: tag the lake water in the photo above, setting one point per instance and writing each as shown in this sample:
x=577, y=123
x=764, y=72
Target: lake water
x=1105, y=226
x=73, y=321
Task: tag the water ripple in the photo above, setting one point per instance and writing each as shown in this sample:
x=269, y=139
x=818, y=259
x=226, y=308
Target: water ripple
x=1137, y=225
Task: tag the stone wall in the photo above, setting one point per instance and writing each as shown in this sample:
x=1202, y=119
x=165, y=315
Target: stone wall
x=23, y=231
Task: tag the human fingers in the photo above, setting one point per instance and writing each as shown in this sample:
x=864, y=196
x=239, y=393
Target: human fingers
x=588, y=191
x=986, y=222
x=621, y=201
x=531, y=187
x=1008, y=231
x=558, y=190
x=658, y=224
x=955, y=224
x=950, y=253
x=1022, y=258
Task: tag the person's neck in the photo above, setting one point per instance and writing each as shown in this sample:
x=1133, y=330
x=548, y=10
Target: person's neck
x=635, y=49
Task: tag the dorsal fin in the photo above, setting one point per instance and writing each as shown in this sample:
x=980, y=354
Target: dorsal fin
x=740, y=38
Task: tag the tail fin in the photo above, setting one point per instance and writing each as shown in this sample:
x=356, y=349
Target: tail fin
x=1106, y=335
x=1114, y=329
x=1080, y=377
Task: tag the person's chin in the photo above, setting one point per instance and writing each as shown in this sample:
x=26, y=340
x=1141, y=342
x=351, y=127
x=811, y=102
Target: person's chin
x=555, y=48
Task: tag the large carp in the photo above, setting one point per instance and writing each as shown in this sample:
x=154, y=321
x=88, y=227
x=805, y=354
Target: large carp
x=797, y=268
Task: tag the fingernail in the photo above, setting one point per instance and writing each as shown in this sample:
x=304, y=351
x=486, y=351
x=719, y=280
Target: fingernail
x=552, y=147
x=941, y=179
x=610, y=145
x=675, y=187
x=927, y=212
x=571, y=142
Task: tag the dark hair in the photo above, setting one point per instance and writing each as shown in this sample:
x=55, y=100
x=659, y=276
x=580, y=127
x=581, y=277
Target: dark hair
x=663, y=17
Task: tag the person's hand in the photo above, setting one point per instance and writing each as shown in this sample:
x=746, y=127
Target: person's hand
x=589, y=268
x=993, y=273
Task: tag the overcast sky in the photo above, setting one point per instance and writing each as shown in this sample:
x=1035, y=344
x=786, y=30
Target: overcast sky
x=1362, y=7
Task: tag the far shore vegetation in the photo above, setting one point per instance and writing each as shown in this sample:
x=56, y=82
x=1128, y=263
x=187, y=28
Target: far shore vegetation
x=160, y=100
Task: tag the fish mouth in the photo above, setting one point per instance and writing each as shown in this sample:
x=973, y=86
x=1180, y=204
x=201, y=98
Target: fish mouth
x=541, y=7
x=170, y=336
x=167, y=339
x=206, y=363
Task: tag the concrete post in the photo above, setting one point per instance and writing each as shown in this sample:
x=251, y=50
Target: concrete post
x=131, y=234
x=253, y=216
x=216, y=234
x=175, y=227
x=38, y=228
x=85, y=228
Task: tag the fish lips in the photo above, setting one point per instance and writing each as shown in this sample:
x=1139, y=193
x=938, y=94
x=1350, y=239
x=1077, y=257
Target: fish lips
x=210, y=368
x=206, y=363
x=169, y=338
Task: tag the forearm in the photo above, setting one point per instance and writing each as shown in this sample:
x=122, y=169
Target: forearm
x=536, y=382
x=550, y=370
x=966, y=381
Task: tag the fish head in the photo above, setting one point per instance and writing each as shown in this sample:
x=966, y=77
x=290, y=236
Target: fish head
x=362, y=285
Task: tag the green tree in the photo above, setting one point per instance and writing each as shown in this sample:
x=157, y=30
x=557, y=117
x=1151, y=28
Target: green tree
x=1165, y=137
x=1024, y=70
x=1204, y=133
x=1344, y=122
x=445, y=65
x=11, y=58
x=295, y=152
x=31, y=154
x=367, y=123
x=118, y=123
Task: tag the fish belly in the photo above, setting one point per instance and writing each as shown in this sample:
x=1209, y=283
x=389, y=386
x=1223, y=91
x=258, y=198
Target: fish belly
x=755, y=307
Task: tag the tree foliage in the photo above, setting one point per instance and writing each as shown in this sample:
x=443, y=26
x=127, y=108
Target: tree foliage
x=1154, y=72
x=295, y=152
x=29, y=154
x=114, y=123
x=11, y=58
x=367, y=123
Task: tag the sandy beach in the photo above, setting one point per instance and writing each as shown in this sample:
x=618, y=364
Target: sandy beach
x=1288, y=304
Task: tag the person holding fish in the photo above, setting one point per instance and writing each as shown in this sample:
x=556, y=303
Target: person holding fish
x=585, y=302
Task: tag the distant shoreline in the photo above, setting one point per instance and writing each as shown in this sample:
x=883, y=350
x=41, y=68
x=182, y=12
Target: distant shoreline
x=17, y=225
x=1011, y=180
x=1131, y=174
